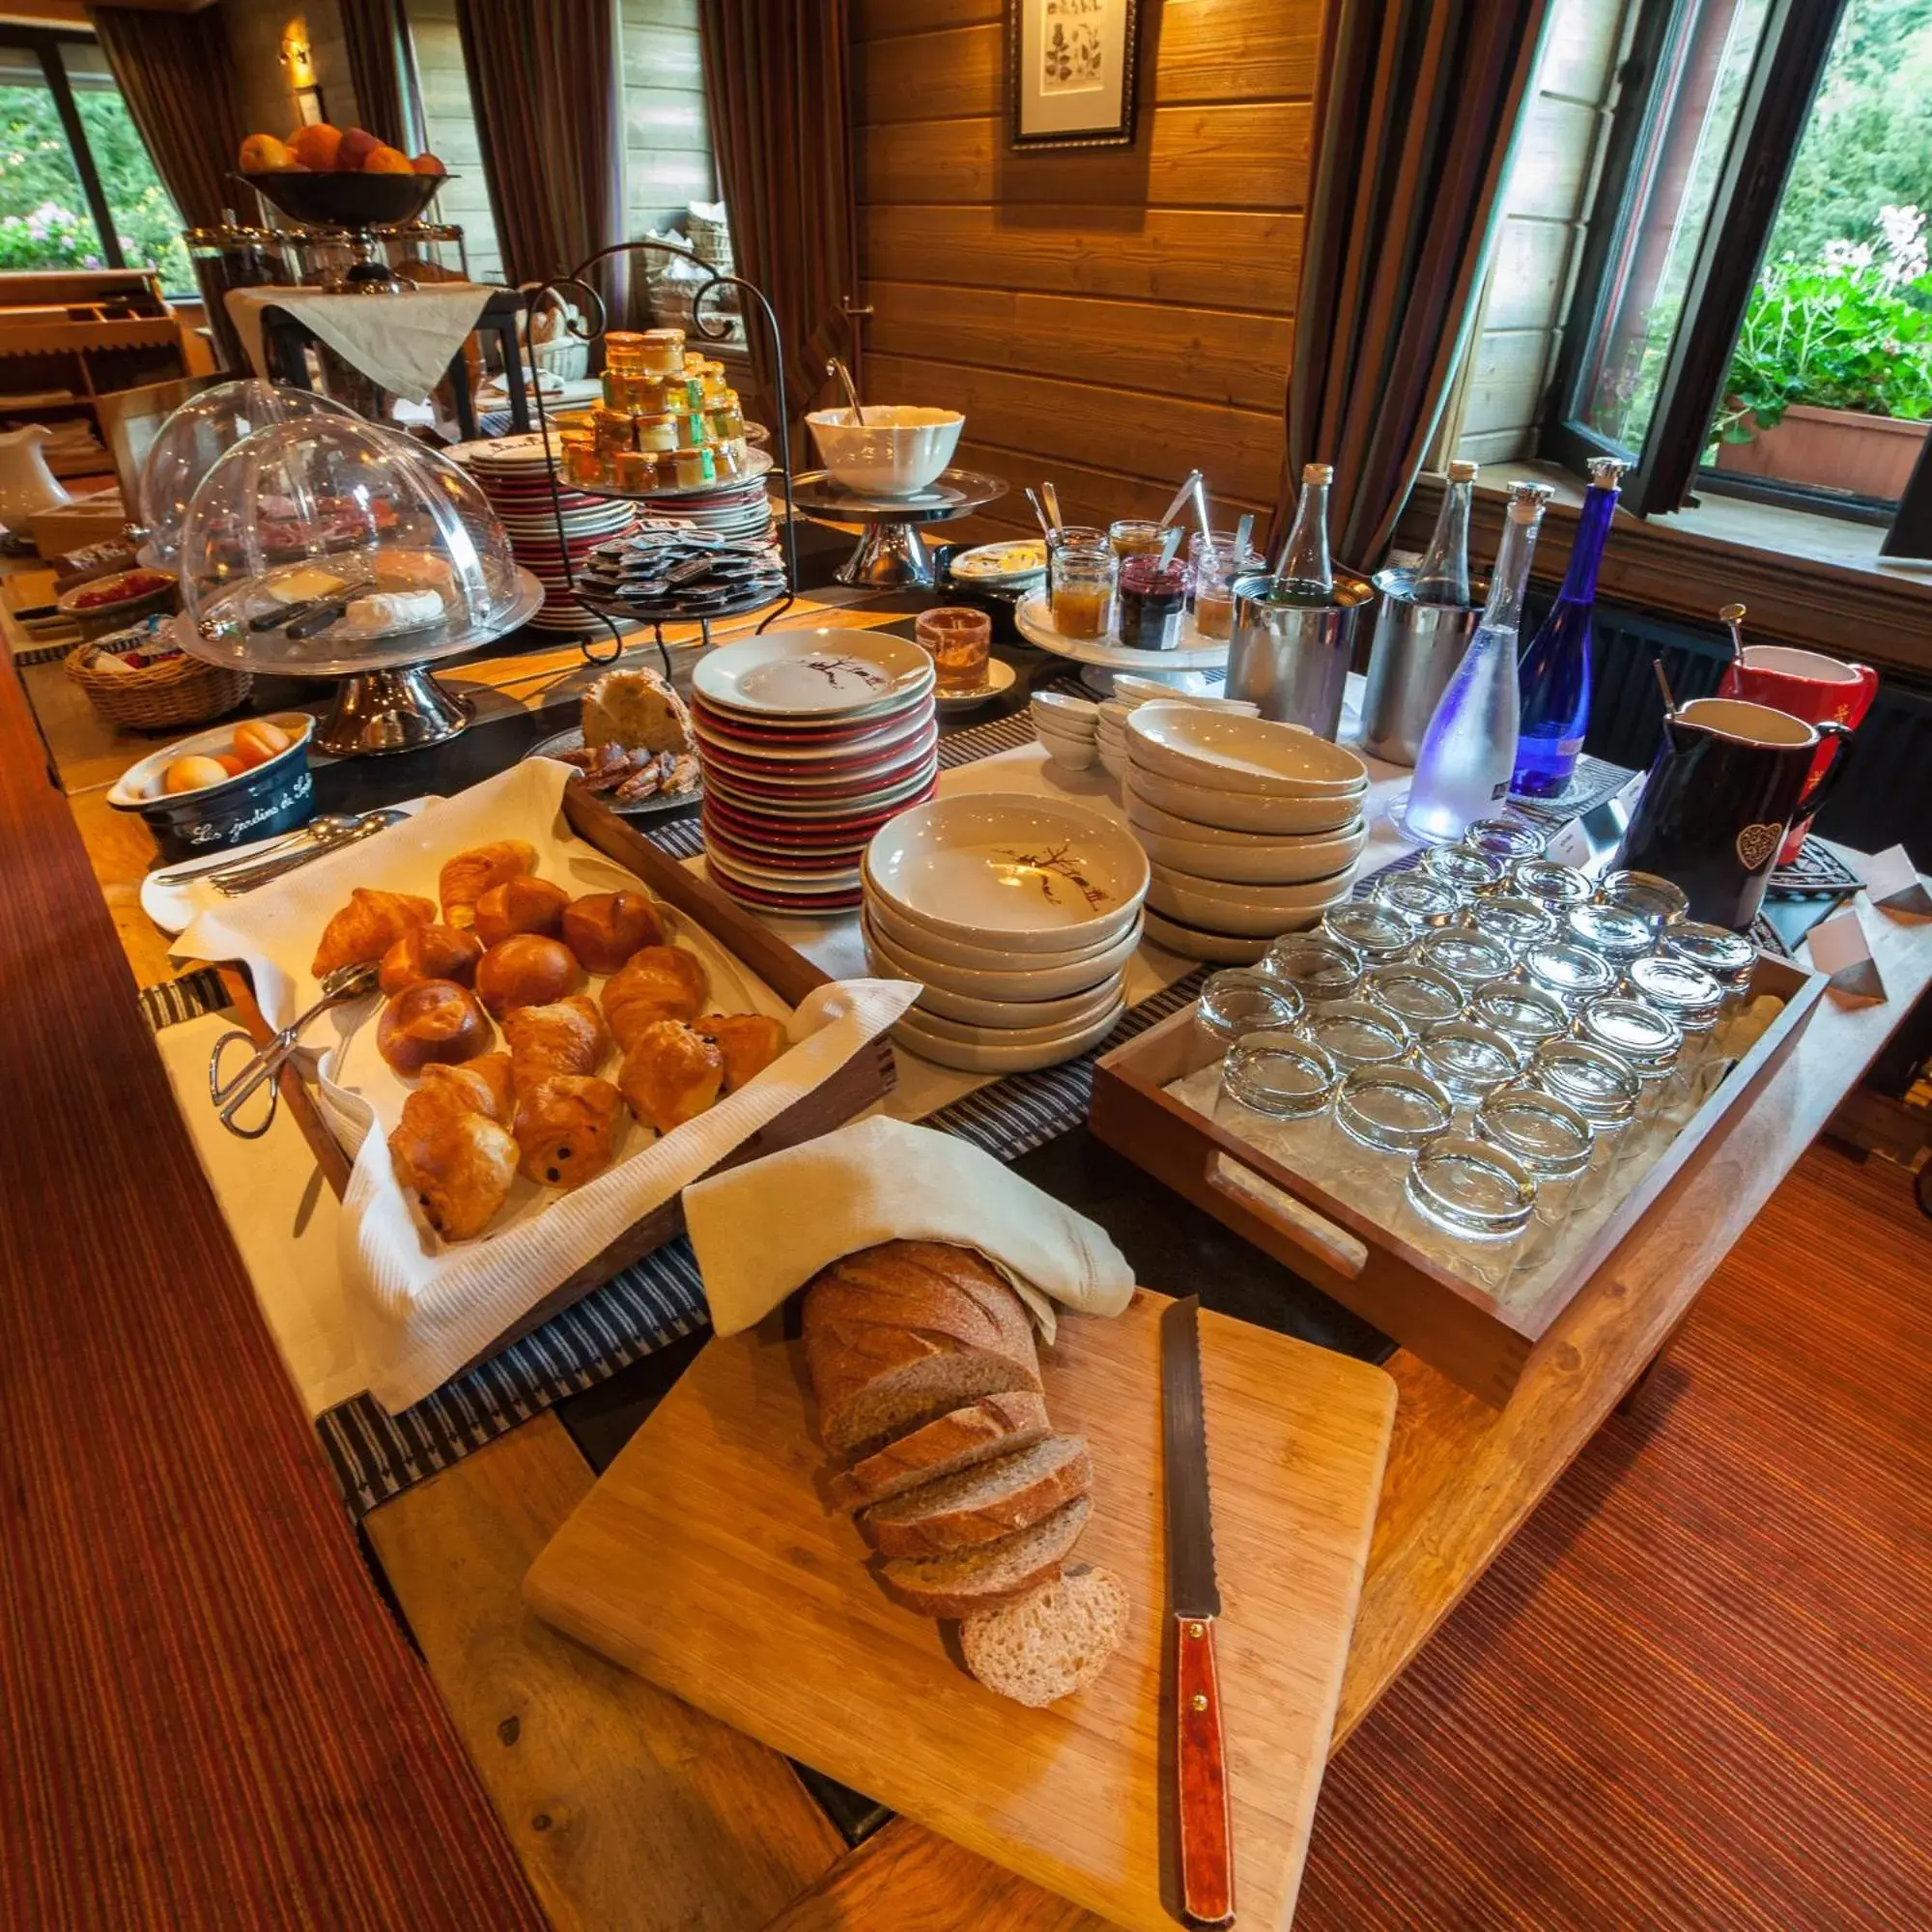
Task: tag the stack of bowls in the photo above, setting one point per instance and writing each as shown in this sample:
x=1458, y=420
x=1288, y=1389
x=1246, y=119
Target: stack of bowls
x=1017, y=914
x=1067, y=726
x=810, y=741
x=1129, y=694
x=1252, y=828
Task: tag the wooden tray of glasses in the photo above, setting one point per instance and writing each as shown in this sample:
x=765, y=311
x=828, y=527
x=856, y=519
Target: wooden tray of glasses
x=1480, y=1339
x=863, y=1079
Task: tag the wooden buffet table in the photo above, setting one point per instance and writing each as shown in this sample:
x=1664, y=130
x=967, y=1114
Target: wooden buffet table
x=629, y=1808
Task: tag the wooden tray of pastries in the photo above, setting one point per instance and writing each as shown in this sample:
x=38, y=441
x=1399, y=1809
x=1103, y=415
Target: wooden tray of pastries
x=494, y=1012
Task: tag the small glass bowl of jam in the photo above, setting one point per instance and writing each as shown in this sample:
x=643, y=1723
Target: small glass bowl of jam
x=1152, y=601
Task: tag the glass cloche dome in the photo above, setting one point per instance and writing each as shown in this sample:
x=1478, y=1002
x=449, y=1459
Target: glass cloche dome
x=328, y=545
x=188, y=445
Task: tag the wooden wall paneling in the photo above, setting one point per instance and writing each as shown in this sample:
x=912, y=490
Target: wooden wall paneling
x=1505, y=388
x=668, y=161
x=1529, y=273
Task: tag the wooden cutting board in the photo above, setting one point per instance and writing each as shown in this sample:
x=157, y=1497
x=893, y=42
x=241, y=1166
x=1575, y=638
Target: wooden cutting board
x=706, y=1560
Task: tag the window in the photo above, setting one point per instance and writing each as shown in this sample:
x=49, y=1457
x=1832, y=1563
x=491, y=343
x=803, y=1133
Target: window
x=77, y=190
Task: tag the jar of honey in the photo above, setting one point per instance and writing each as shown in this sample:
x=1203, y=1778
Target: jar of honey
x=662, y=353
x=1154, y=597
x=657, y=433
x=688, y=430
x=1217, y=562
x=1081, y=578
x=696, y=466
x=612, y=430
x=1132, y=538
x=584, y=462
x=623, y=350
x=636, y=469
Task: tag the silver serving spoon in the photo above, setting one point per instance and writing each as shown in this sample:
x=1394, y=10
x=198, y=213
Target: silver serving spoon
x=1732, y=617
x=1051, y=498
x=328, y=825
x=834, y=367
x=245, y=878
x=339, y=988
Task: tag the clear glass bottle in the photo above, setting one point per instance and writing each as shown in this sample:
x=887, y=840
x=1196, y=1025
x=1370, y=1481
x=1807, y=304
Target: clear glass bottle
x=1553, y=675
x=1468, y=752
x=1442, y=577
x=1302, y=572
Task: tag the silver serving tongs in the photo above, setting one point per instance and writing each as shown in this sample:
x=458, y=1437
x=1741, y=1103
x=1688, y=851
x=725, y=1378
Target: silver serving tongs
x=339, y=988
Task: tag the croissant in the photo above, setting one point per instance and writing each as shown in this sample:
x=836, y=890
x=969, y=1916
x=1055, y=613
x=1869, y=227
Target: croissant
x=459, y=1163
x=566, y=1127
x=367, y=926
x=527, y=970
x=520, y=905
x=605, y=928
x=670, y=1074
x=431, y=953
x=658, y=982
x=435, y=1019
x=749, y=1041
x=481, y=1084
x=467, y=877
x=566, y=1036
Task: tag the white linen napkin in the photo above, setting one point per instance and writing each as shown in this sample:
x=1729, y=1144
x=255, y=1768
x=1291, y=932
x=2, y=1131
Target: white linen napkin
x=401, y=342
x=764, y=1229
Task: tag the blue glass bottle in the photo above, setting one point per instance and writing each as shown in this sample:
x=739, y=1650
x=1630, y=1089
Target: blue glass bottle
x=1553, y=675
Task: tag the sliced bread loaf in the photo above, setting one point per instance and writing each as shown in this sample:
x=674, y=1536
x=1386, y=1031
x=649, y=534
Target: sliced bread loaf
x=897, y=1334
x=1051, y=1642
x=985, y=1578
x=983, y=1505
x=960, y=1439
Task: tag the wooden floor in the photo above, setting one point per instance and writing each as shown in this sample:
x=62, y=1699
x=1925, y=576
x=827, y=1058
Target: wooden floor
x=1696, y=1690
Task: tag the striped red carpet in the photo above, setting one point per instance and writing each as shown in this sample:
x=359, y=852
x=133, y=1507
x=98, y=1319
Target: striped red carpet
x=1695, y=1693
x=206, y=1717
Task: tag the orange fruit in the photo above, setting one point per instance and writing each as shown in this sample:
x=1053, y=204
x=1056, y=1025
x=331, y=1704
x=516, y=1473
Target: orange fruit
x=357, y=145
x=263, y=154
x=427, y=164
x=316, y=147
x=258, y=740
x=387, y=161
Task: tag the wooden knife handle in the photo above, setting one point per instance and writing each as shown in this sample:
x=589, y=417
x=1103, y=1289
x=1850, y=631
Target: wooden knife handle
x=1206, y=1830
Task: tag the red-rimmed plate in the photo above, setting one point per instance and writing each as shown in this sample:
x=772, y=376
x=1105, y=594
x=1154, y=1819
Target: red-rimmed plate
x=822, y=831
x=814, y=807
x=851, y=774
x=772, y=879
x=816, y=676
x=907, y=721
x=809, y=905
x=841, y=858
x=763, y=732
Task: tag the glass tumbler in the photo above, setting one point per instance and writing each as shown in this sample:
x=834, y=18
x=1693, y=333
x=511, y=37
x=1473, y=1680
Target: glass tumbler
x=1469, y=957
x=1653, y=899
x=1683, y=991
x=1379, y=933
x=1729, y=959
x=1525, y=1015
x=1417, y=896
x=1553, y=885
x=1239, y=1000
x=1470, y=1062
x=1356, y=1032
x=1568, y=973
x=1471, y=1204
x=1508, y=840
x=1517, y=922
x=1081, y=579
x=1384, y=1114
x=1648, y=1042
x=1320, y=969
x=1605, y=1090
x=1553, y=1141
x=957, y=638
x=1611, y=932
x=1275, y=1090
x=1462, y=868
x=1416, y=995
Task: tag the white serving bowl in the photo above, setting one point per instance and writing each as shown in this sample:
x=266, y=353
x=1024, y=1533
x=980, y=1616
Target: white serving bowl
x=1246, y=910
x=1115, y=760
x=942, y=1003
x=1075, y=754
x=1130, y=691
x=1202, y=808
x=1230, y=753
x=1257, y=859
x=1003, y=975
x=1009, y=870
x=1219, y=949
x=1057, y=710
x=996, y=1056
x=896, y=452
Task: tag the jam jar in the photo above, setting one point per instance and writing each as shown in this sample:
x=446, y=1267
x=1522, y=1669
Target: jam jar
x=1154, y=597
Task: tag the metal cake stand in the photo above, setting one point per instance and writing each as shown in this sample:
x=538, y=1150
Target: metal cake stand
x=388, y=699
x=889, y=556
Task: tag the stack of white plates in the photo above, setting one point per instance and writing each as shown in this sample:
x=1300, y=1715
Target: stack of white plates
x=1020, y=916
x=1253, y=829
x=514, y=472
x=810, y=741
x=1129, y=694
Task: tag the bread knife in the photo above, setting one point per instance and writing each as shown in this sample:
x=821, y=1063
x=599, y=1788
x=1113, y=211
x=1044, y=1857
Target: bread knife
x=1205, y=1826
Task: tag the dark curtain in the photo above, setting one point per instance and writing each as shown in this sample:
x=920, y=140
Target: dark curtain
x=1416, y=109
x=177, y=76
x=777, y=93
x=546, y=78
x=382, y=72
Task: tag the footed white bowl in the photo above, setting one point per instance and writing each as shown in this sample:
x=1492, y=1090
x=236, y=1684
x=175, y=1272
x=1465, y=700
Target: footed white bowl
x=1231, y=753
x=897, y=450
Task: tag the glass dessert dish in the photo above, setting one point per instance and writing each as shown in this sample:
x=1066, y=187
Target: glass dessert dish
x=1517, y=923
x=1320, y=969
x=1509, y=840
x=1461, y=868
x=1553, y=1142
x=1477, y=1195
x=1279, y=1075
x=1612, y=932
x=1416, y=995
x=1379, y=932
x=1525, y=1015
x=1384, y=1114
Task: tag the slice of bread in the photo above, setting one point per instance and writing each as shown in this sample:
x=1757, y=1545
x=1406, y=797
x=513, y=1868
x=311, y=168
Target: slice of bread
x=1051, y=1642
x=637, y=709
x=960, y=1439
x=897, y=1334
x=985, y=1578
x=998, y=1499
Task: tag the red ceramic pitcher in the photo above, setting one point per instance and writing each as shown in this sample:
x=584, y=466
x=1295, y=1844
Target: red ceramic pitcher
x=1807, y=685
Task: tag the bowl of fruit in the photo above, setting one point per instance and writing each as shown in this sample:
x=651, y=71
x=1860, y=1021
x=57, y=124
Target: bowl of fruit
x=328, y=177
x=227, y=786
x=104, y=604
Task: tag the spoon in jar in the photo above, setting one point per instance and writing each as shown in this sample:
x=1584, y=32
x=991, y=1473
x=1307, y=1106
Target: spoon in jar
x=1732, y=616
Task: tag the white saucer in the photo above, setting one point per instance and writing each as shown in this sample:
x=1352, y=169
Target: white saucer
x=1000, y=676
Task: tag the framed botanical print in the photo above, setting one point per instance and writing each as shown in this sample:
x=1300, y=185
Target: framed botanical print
x=1070, y=66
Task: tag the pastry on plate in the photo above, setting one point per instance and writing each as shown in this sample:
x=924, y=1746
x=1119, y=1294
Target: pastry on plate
x=367, y=926
x=527, y=970
x=431, y=953
x=637, y=710
x=433, y=1020
x=522, y=904
x=605, y=928
x=565, y=1036
x=670, y=1074
x=749, y=1041
x=460, y=1164
x=657, y=982
x=565, y=1128
x=467, y=877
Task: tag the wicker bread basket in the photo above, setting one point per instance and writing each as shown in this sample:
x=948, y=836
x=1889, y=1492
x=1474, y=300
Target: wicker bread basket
x=178, y=690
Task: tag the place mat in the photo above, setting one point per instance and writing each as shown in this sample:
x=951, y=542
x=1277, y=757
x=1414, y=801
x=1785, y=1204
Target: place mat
x=1816, y=869
x=1592, y=781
